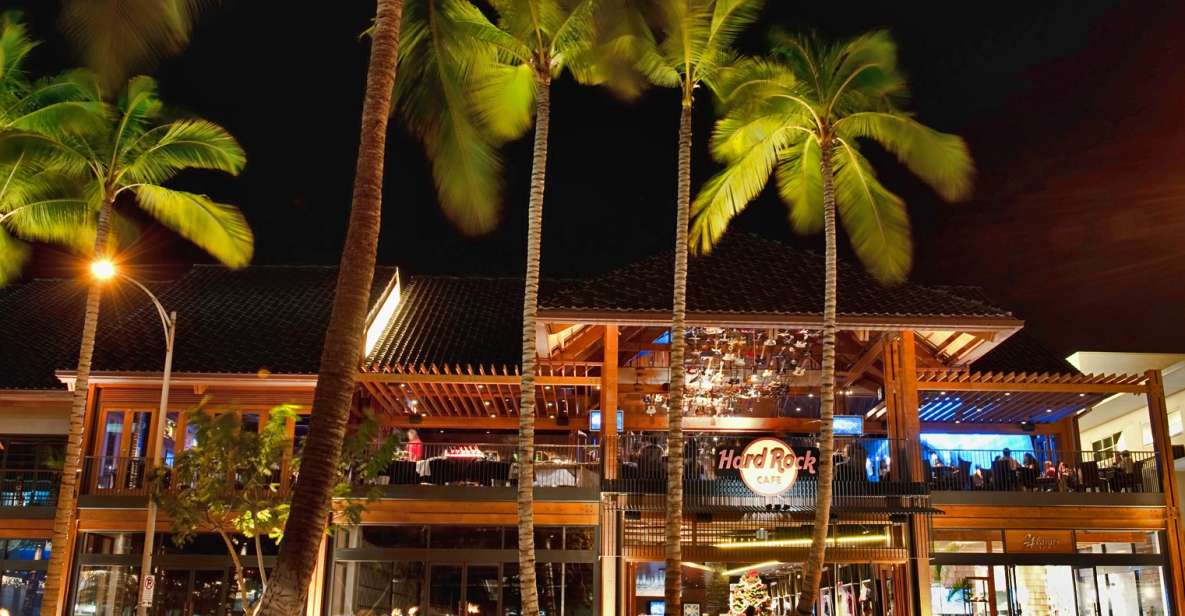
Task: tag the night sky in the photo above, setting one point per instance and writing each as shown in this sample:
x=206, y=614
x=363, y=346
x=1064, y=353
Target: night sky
x=1074, y=112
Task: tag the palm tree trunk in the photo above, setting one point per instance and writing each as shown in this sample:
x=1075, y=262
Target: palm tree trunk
x=813, y=571
x=674, y=517
x=63, y=522
x=526, y=414
x=312, y=494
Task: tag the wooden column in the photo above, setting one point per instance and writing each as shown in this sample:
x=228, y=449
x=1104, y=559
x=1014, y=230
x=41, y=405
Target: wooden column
x=610, y=557
x=609, y=403
x=904, y=426
x=1163, y=444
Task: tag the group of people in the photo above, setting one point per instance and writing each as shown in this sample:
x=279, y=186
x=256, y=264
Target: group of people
x=1028, y=472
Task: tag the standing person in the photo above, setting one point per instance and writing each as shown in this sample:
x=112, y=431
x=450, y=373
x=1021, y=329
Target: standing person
x=415, y=447
x=1012, y=463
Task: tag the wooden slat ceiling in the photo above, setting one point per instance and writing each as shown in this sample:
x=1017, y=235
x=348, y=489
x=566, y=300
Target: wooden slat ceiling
x=962, y=396
x=563, y=388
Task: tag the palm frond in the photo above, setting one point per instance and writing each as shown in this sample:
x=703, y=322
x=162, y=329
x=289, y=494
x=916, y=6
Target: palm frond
x=15, y=46
x=67, y=221
x=503, y=99
x=185, y=144
x=940, y=159
x=138, y=107
x=13, y=255
x=727, y=193
x=729, y=19
x=576, y=33
x=800, y=185
x=119, y=37
x=42, y=152
x=218, y=228
x=874, y=218
x=438, y=98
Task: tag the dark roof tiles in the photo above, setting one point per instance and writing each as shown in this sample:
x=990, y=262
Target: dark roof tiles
x=748, y=275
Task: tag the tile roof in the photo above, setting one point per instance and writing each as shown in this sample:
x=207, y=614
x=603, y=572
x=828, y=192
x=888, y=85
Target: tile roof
x=746, y=274
x=259, y=318
x=1023, y=352
x=40, y=325
x=443, y=320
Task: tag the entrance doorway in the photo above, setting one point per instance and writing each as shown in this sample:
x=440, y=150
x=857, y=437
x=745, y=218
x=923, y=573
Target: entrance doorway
x=190, y=592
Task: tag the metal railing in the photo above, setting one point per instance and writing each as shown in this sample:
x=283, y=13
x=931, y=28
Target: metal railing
x=1041, y=471
x=491, y=465
x=29, y=487
x=130, y=476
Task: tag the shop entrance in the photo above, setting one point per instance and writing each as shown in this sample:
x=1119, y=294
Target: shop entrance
x=770, y=589
x=1056, y=590
x=190, y=592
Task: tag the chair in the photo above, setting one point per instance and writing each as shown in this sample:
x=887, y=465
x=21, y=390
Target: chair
x=1003, y=477
x=1089, y=478
x=965, y=473
x=1027, y=477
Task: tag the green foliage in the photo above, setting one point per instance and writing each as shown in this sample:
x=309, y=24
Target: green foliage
x=781, y=114
x=64, y=153
x=231, y=481
x=683, y=43
x=467, y=84
x=116, y=38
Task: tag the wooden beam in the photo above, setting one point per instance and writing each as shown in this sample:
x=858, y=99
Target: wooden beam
x=1017, y=386
x=476, y=379
x=865, y=361
x=658, y=423
x=457, y=422
x=1162, y=442
x=609, y=402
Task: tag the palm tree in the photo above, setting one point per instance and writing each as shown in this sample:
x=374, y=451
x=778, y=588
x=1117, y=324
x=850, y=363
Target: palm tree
x=693, y=44
x=79, y=175
x=338, y=373
x=535, y=41
x=802, y=116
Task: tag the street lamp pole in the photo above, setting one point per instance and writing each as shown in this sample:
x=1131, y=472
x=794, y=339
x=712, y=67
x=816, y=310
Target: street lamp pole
x=106, y=270
x=169, y=323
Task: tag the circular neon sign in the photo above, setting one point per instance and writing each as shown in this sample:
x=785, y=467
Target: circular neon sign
x=768, y=466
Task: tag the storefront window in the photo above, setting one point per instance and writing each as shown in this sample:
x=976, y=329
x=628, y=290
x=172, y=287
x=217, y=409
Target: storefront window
x=1130, y=590
x=1044, y=589
x=467, y=537
x=444, y=590
x=481, y=590
x=21, y=591
x=393, y=537
x=967, y=541
x=578, y=589
x=1117, y=542
x=106, y=589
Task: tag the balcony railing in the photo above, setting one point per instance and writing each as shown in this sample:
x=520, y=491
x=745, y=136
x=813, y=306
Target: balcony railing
x=129, y=476
x=29, y=487
x=1038, y=471
x=492, y=465
x=863, y=477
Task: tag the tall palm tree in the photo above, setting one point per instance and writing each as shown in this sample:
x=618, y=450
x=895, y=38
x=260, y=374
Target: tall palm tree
x=691, y=44
x=130, y=149
x=803, y=116
x=536, y=41
x=343, y=337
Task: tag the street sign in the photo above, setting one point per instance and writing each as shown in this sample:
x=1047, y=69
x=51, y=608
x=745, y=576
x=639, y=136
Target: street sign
x=149, y=588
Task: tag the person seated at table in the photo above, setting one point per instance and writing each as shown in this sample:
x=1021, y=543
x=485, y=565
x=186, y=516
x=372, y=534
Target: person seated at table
x=935, y=461
x=1030, y=461
x=650, y=459
x=1125, y=463
x=1050, y=471
x=1007, y=457
x=415, y=447
x=978, y=480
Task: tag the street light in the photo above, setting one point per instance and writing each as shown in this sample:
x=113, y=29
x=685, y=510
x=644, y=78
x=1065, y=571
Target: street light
x=104, y=270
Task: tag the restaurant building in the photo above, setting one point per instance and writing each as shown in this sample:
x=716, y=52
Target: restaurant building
x=962, y=484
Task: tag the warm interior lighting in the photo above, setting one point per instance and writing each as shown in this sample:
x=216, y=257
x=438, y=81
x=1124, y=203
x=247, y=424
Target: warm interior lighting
x=103, y=269
x=382, y=318
x=768, y=563
x=804, y=542
x=698, y=566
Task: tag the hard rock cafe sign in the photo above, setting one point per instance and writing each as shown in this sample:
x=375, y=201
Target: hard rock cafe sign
x=768, y=466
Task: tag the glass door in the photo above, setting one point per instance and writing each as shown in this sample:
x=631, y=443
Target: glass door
x=1086, y=588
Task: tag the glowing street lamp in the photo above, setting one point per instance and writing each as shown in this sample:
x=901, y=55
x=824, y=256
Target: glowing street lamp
x=105, y=270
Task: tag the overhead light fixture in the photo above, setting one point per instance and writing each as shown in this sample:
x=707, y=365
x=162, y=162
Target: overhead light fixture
x=803, y=542
x=764, y=565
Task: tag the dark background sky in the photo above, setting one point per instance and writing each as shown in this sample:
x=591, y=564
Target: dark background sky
x=1073, y=109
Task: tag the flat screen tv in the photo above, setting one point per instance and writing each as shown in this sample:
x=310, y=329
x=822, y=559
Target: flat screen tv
x=657, y=608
